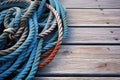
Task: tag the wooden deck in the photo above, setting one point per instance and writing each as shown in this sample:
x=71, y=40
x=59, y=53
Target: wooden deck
x=92, y=48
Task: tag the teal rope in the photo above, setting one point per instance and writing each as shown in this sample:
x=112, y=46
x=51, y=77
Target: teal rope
x=20, y=47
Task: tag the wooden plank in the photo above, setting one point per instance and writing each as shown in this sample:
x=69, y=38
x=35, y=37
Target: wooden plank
x=94, y=17
x=85, y=59
x=93, y=35
x=109, y=3
x=76, y=78
x=79, y=3
x=91, y=3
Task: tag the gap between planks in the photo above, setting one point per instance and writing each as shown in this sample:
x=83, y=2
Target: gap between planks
x=76, y=78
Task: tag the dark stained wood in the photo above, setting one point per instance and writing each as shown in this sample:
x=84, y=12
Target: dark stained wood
x=93, y=17
x=76, y=78
x=91, y=3
x=85, y=59
x=93, y=35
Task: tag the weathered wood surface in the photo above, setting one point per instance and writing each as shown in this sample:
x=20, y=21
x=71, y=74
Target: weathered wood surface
x=93, y=42
x=85, y=59
x=75, y=78
x=91, y=3
x=93, y=35
x=94, y=17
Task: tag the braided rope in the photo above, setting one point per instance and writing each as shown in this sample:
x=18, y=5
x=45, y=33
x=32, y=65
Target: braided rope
x=31, y=35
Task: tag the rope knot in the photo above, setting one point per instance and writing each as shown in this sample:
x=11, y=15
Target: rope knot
x=10, y=31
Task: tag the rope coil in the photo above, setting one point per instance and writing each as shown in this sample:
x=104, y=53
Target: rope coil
x=31, y=33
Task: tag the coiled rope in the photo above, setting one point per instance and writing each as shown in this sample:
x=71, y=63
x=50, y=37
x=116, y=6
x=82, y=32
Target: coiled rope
x=31, y=33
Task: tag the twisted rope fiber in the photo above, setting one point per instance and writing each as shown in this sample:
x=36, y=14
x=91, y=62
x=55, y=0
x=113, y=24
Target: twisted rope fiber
x=31, y=33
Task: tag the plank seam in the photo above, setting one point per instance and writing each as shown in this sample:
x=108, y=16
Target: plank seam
x=78, y=75
x=103, y=44
x=92, y=8
x=94, y=26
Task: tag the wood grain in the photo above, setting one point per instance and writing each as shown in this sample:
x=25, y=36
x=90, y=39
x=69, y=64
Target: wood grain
x=91, y=3
x=93, y=35
x=76, y=78
x=93, y=17
x=85, y=59
x=87, y=16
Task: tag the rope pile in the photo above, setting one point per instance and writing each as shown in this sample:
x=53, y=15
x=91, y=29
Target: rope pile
x=31, y=33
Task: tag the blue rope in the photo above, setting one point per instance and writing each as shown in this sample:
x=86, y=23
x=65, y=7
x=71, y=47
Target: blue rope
x=21, y=22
